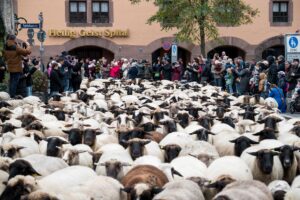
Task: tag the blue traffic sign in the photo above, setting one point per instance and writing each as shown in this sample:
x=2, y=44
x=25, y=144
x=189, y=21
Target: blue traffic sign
x=293, y=42
x=30, y=25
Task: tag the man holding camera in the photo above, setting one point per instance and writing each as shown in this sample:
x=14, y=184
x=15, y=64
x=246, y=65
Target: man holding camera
x=13, y=55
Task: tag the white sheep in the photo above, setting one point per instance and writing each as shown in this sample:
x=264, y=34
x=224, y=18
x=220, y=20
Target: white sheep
x=65, y=178
x=4, y=96
x=250, y=190
x=79, y=154
x=180, y=190
x=24, y=146
x=189, y=166
x=202, y=150
x=45, y=165
x=255, y=163
x=293, y=194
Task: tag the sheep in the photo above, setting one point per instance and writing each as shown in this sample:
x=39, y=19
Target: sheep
x=248, y=190
x=19, y=186
x=114, y=163
x=143, y=181
x=20, y=147
x=139, y=147
x=78, y=155
x=3, y=177
x=180, y=190
x=4, y=96
x=278, y=189
x=292, y=194
x=100, y=187
x=222, y=143
x=264, y=163
x=289, y=161
x=189, y=166
x=225, y=170
x=66, y=178
x=296, y=182
x=147, y=160
x=201, y=150
x=45, y=165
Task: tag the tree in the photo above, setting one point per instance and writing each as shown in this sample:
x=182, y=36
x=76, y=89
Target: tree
x=6, y=19
x=197, y=20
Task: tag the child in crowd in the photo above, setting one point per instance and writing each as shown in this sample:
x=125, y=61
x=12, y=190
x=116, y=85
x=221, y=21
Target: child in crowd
x=229, y=80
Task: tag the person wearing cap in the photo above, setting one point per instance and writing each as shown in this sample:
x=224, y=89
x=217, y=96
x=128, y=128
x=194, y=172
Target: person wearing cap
x=13, y=54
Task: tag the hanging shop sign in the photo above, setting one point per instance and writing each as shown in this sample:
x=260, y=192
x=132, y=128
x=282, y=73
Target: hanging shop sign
x=89, y=33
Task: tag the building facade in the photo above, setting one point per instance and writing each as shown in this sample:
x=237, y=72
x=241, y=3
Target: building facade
x=116, y=28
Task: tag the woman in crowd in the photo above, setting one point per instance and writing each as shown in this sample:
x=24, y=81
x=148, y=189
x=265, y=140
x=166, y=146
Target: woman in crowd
x=277, y=93
x=56, y=78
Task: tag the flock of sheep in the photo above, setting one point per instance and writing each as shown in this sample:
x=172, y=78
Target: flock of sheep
x=141, y=140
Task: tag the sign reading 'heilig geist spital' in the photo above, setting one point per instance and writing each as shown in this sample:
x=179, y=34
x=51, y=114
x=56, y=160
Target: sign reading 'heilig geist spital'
x=89, y=33
x=292, y=46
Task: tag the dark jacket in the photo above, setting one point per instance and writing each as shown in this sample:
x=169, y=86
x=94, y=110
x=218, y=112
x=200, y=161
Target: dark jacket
x=206, y=74
x=56, y=80
x=132, y=72
x=167, y=71
x=272, y=72
x=2, y=71
x=28, y=71
x=281, y=65
x=13, y=56
x=245, y=76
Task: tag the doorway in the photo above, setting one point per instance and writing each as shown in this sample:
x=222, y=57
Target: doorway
x=276, y=51
x=231, y=51
x=92, y=52
x=184, y=54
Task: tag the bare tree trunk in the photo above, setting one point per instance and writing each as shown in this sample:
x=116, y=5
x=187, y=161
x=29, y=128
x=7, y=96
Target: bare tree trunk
x=202, y=31
x=7, y=14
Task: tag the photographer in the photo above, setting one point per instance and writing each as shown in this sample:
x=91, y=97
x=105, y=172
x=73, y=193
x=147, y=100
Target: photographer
x=13, y=55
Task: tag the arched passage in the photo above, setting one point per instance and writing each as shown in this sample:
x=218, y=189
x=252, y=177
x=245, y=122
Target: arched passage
x=274, y=44
x=234, y=44
x=92, y=52
x=93, y=47
x=231, y=51
x=154, y=49
x=184, y=54
x=276, y=51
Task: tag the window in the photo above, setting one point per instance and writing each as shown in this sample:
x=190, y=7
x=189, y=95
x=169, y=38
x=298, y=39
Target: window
x=77, y=12
x=280, y=11
x=100, y=12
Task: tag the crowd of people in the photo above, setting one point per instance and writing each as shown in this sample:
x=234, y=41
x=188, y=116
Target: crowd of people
x=272, y=77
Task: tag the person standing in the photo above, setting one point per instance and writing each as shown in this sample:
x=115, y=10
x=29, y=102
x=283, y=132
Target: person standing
x=277, y=93
x=56, y=79
x=167, y=70
x=229, y=80
x=2, y=69
x=156, y=68
x=76, y=76
x=13, y=55
x=28, y=72
x=176, y=72
x=272, y=71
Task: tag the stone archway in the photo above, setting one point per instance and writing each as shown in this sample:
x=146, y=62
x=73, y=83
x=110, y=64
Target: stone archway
x=231, y=41
x=85, y=41
x=270, y=42
x=157, y=44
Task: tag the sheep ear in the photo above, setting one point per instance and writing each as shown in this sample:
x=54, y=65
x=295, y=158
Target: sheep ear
x=19, y=148
x=253, y=153
x=275, y=153
x=175, y=172
x=258, y=133
x=261, y=121
x=66, y=131
x=162, y=147
x=296, y=148
x=253, y=142
x=211, y=133
x=233, y=141
x=5, y=182
x=156, y=190
x=146, y=142
x=126, y=189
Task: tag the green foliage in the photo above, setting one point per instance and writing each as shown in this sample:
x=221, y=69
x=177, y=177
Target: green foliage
x=40, y=81
x=197, y=20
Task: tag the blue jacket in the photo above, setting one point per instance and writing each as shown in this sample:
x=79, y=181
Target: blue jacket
x=278, y=95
